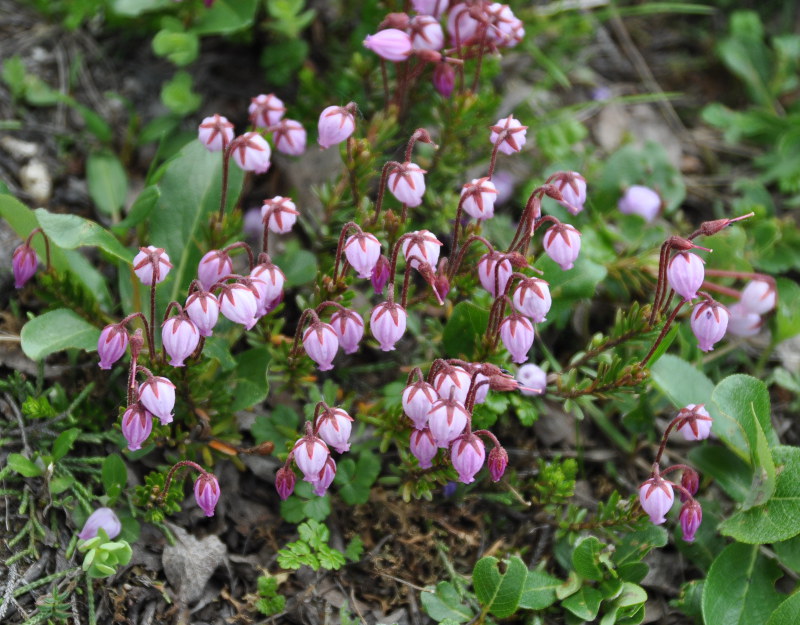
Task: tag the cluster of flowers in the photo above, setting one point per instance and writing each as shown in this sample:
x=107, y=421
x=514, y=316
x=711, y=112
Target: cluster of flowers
x=657, y=495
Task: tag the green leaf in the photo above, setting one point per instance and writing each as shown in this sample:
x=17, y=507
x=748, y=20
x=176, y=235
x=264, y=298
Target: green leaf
x=681, y=382
x=444, y=602
x=108, y=182
x=64, y=443
x=585, y=604
x=57, y=330
x=355, y=479
x=298, y=265
x=114, y=474
x=354, y=549
x=252, y=385
x=279, y=426
x=740, y=587
x=586, y=559
x=143, y=205
x=14, y=74
x=23, y=466
x=787, y=321
x=464, y=330
x=729, y=471
x=60, y=483
x=180, y=48
x=330, y=559
x=787, y=613
x=177, y=94
x=70, y=231
x=789, y=552
x=134, y=8
x=499, y=592
x=225, y=17
x=779, y=518
x=539, y=591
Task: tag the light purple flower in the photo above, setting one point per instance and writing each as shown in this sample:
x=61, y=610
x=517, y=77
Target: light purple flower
x=532, y=379
x=281, y=212
x=206, y=492
x=690, y=517
x=685, y=274
x=180, y=338
x=290, y=137
x=336, y=124
x=478, y=198
x=455, y=378
x=497, y=463
x=214, y=266
x=215, y=132
x=380, y=274
x=640, y=200
x=157, y=394
x=759, y=296
x=102, y=518
x=321, y=343
x=349, y=328
x=203, y=309
x=310, y=454
x=265, y=110
x=562, y=243
x=251, y=152
x=696, y=424
x=111, y=344
x=447, y=419
x=656, y=497
x=23, y=263
x=421, y=246
x=362, y=251
x=151, y=265
x=709, y=321
x=573, y=189
x=407, y=184
x=532, y=298
x=514, y=138
x=390, y=44
x=517, y=334
x=444, y=78
x=273, y=277
x=418, y=399
x=137, y=424
x=387, y=324
x=334, y=426
x=430, y=7
x=284, y=482
x=467, y=454
x=423, y=446
x=238, y=303
x=460, y=24
x=325, y=477
x=742, y=322
x=494, y=272
x=426, y=33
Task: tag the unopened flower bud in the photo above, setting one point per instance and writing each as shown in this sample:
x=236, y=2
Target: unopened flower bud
x=494, y=272
x=265, y=110
x=424, y=447
x=742, y=322
x=759, y=296
x=388, y=324
x=532, y=299
x=442, y=286
x=513, y=135
x=517, y=334
x=418, y=399
x=321, y=344
x=478, y=198
x=467, y=454
x=252, y=152
x=461, y=25
x=421, y=246
x=362, y=251
x=284, y=482
x=101, y=519
x=214, y=266
x=23, y=263
x=215, y=132
x=206, y=492
x=573, y=190
x=310, y=454
x=685, y=274
x=709, y=322
x=532, y=379
x=390, y=44
x=180, y=338
x=157, y=394
x=430, y=7
x=336, y=124
x=280, y=214
x=380, y=274
x=273, y=280
x=137, y=423
x=691, y=516
x=112, y=344
x=562, y=243
x=690, y=480
x=407, y=183
x=497, y=463
x=238, y=303
x=444, y=78
x=656, y=497
x=151, y=265
x=642, y=201
x=696, y=422
x=426, y=33
x=202, y=308
x=447, y=418
x=349, y=328
x=455, y=378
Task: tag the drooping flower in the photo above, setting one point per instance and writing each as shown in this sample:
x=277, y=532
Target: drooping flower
x=494, y=272
x=691, y=516
x=478, y=198
x=430, y=7
x=111, y=344
x=310, y=454
x=467, y=454
x=685, y=274
x=709, y=322
x=380, y=274
x=532, y=378
x=203, y=309
x=690, y=480
x=151, y=265
x=460, y=24
x=362, y=251
x=421, y=246
x=388, y=324
x=516, y=332
x=238, y=303
x=426, y=33
x=102, y=518
x=423, y=446
x=274, y=279
x=573, y=189
x=514, y=137
x=265, y=110
x=251, y=152
x=290, y=137
x=284, y=482
x=336, y=124
x=418, y=399
x=455, y=378
x=325, y=477
x=759, y=296
x=447, y=418
x=562, y=243
x=321, y=344
x=497, y=463
x=281, y=212
x=656, y=497
x=407, y=183
x=157, y=394
x=334, y=426
x=180, y=338
x=137, y=423
x=349, y=328
x=206, y=492
x=444, y=78
x=390, y=44
x=696, y=423
x=640, y=200
x=215, y=132
x=214, y=266
x=23, y=264
x=743, y=322
x=532, y=298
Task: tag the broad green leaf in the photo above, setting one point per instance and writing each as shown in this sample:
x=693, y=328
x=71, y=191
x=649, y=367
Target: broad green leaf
x=57, y=330
x=625, y=605
x=499, y=592
x=177, y=94
x=114, y=475
x=787, y=613
x=740, y=587
x=108, y=182
x=789, y=552
x=23, y=466
x=143, y=205
x=539, y=591
x=298, y=265
x=787, y=321
x=585, y=604
x=681, y=382
x=566, y=287
x=190, y=194
x=637, y=544
x=134, y=8
x=225, y=17
x=465, y=330
x=70, y=231
x=444, y=602
x=729, y=471
x=586, y=559
x=23, y=220
x=64, y=443
x=180, y=48
x=355, y=479
x=279, y=426
x=779, y=518
x=252, y=384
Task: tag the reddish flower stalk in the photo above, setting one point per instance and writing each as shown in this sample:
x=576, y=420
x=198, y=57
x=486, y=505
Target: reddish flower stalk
x=387, y=168
x=663, y=333
x=46, y=245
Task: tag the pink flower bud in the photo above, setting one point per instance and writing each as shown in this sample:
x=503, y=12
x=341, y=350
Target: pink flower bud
x=265, y=110
x=430, y=7
x=447, y=419
x=215, y=132
x=349, y=328
x=310, y=454
x=388, y=324
x=281, y=213
x=690, y=480
x=362, y=251
x=426, y=33
x=290, y=137
x=23, y=263
x=390, y=44
x=284, y=482
x=759, y=296
x=517, y=334
x=532, y=379
x=696, y=424
x=514, y=135
x=685, y=274
x=642, y=201
x=424, y=447
x=101, y=519
x=321, y=343
x=336, y=124
x=494, y=272
x=461, y=25
x=334, y=426
x=709, y=321
x=691, y=516
x=452, y=377
x=214, y=266
x=562, y=243
x=442, y=286
x=112, y=344
x=151, y=265
x=274, y=279
x=421, y=245
x=325, y=477
x=180, y=338
x=532, y=299
x=478, y=198
x=238, y=303
x=743, y=323
x=467, y=454
x=407, y=184
x=252, y=152
x=203, y=309
x=573, y=190
x=505, y=29
x=444, y=78
x=157, y=394
x=380, y=274
x=137, y=424
x=418, y=399
x=206, y=492
x=497, y=463
x=656, y=497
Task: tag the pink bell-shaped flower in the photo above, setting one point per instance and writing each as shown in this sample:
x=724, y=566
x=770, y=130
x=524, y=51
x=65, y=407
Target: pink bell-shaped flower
x=759, y=296
x=325, y=477
x=362, y=251
x=388, y=324
x=290, y=137
x=321, y=343
x=517, y=334
x=426, y=33
x=336, y=124
x=709, y=321
x=310, y=454
x=562, y=243
x=23, y=264
x=505, y=30
x=478, y=198
x=455, y=378
x=206, y=492
x=497, y=463
x=157, y=394
x=334, y=426
x=390, y=44
x=215, y=132
x=685, y=274
x=690, y=517
x=265, y=110
x=349, y=328
x=640, y=200
x=656, y=497
x=514, y=138
x=418, y=399
x=213, y=267
x=252, y=152
x=101, y=519
x=203, y=309
x=421, y=246
x=112, y=344
x=273, y=278
x=494, y=272
x=467, y=454
x=573, y=189
x=460, y=24
x=137, y=424
x=180, y=338
x=151, y=265
x=407, y=184
x=532, y=380
x=284, y=482
x=696, y=424
x=380, y=274
x=281, y=212
x=423, y=446
x=430, y=7
x=532, y=299
x=742, y=322
x=238, y=303
x=444, y=78
x=447, y=418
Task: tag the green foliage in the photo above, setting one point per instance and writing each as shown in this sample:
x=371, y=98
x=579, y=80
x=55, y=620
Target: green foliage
x=311, y=549
x=175, y=44
x=304, y=504
x=154, y=501
x=103, y=556
x=55, y=331
x=178, y=95
x=355, y=478
x=108, y=182
x=270, y=601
